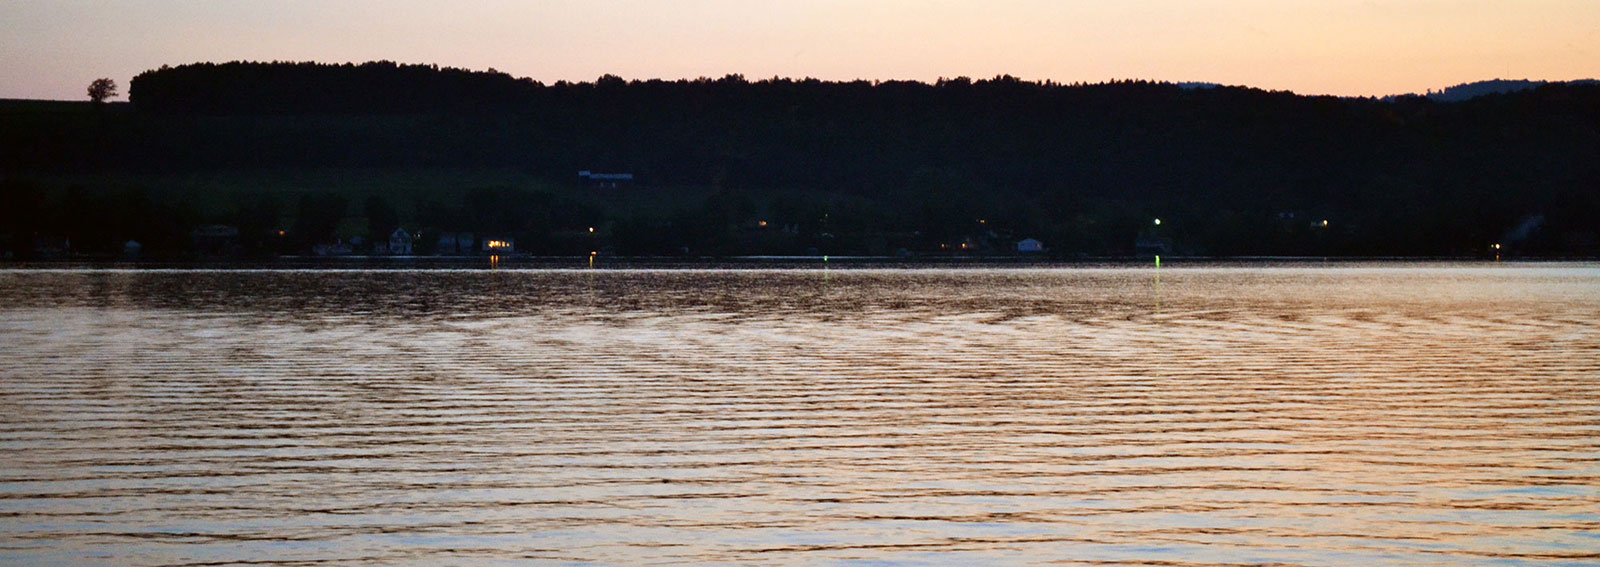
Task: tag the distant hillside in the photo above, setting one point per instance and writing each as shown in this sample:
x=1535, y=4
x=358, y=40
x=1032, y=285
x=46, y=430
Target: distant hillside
x=1469, y=91
x=730, y=165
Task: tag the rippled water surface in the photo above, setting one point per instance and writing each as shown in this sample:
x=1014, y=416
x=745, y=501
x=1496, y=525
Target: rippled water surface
x=1351, y=415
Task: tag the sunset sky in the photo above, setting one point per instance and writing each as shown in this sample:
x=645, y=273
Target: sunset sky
x=52, y=49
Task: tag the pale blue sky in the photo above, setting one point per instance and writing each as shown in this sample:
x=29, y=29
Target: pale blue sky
x=53, y=48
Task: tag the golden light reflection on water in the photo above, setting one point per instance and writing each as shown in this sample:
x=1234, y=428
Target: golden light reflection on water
x=1395, y=415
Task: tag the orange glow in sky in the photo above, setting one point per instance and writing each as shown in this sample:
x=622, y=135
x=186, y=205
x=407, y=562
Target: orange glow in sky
x=54, y=48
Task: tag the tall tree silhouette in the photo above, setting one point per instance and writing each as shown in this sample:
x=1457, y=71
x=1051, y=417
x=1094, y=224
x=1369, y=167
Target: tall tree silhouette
x=102, y=89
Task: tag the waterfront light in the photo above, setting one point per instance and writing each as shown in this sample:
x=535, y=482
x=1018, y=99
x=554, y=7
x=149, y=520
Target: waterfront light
x=1158, y=222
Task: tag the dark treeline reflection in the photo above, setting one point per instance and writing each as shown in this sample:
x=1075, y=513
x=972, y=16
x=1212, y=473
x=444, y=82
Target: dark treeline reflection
x=959, y=166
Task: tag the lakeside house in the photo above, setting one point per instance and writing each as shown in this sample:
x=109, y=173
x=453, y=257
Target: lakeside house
x=1152, y=245
x=52, y=247
x=215, y=240
x=400, y=242
x=455, y=244
x=336, y=248
x=501, y=245
x=608, y=180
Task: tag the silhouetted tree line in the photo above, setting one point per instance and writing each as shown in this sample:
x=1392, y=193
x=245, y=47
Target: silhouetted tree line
x=380, y=87
x=882, y=166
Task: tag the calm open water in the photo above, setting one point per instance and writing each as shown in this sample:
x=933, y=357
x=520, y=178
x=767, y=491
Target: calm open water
x=1388, y=414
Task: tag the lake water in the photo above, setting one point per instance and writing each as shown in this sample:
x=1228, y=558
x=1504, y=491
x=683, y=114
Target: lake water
x=1367, y=414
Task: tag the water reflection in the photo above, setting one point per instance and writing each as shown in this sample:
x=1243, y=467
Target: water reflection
x=1396, y=415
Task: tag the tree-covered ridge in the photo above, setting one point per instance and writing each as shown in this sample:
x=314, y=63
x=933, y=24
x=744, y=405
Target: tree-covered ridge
x=879, y=166
x=1469, y=91
x=380, y=87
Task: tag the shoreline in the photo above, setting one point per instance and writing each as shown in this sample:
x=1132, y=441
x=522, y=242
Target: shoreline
x=380, y=263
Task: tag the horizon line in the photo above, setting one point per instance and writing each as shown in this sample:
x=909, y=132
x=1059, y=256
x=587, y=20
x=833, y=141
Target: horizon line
x=874, y=81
